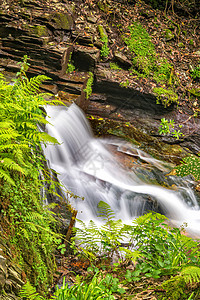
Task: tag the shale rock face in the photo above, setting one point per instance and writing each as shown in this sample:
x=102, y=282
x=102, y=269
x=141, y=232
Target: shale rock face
x=58, y=35
x=11, y=276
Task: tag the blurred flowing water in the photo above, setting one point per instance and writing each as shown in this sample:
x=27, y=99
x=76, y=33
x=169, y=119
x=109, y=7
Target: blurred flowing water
x=87, y=168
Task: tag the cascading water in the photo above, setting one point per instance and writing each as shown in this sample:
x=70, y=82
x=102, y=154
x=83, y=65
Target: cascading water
x=87, y=168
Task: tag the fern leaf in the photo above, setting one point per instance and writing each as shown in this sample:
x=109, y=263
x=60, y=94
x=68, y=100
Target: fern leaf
x=105, y=211
x=6, y=176
x=46, y=138
x=191, y=274
x=28, y=292
x=11, y=165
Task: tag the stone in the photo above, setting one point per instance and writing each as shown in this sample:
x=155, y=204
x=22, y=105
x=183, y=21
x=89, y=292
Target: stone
x=122, y=59
x=92, y=19
x=61, y=21
x=85, y=58
x=14, y=276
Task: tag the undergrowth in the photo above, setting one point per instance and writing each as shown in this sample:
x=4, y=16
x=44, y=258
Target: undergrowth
x=128, y=258
x=27, y=225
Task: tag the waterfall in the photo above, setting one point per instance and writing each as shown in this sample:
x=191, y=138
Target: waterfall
x=87, y=168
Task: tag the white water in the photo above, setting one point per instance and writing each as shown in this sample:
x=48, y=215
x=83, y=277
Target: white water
x=89, y=170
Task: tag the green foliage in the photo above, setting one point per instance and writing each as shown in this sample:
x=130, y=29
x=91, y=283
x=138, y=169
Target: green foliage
x=114, y=66
x=167, y=127
x=20, y=113
x=95, y=290
x=88, y=89
x=165, y=96
x=104, y=39
x=189, y=166
x=31, y=225
x=70, y=66
x=103, y=241
x=158, y=249
x=175, y=286
x=196, y=72
x=145, y=59
x=28, y=292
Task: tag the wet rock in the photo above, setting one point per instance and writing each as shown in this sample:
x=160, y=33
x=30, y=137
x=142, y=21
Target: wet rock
x=126, y=98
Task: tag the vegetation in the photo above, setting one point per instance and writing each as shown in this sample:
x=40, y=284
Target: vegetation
x=70, y=66
x=196, y=72
x=104, y=39
x=189, y=166
x=115, y=66
x=27, y=224
x=152, y=248
x=165, y=96
x=145, y=59
x=88, y=89
x=167, y=127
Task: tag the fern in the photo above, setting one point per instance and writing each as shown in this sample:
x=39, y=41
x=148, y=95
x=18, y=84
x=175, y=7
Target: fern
x=176, y=286
x=105, y=211
x=191, y=274
x=29, y=292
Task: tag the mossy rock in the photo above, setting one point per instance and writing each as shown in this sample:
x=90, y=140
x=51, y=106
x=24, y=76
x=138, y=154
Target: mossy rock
x=61, y=21
x=40, y=30
x=158, y=149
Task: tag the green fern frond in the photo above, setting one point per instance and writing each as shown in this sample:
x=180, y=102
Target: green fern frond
x=6, y=176
x=29, y=292
x=46, y=138
x=11, y=165
x=191, y=274
x=14, y=147
x=105, y=211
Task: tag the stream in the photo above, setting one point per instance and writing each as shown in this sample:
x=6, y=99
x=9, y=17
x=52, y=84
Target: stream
x=87, y=167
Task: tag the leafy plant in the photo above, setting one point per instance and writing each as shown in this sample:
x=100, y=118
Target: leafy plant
x=175, y=286
x=189, y=166
x=70, y=66
x=94, y=241
x=94, y=290
x=115, y=66
x=167, y=127
x=21, y=165
x=196, y=72
x=152, y=245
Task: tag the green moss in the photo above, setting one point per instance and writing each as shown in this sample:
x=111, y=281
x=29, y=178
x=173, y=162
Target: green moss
x=40, y=30
x=146, y=62
x=115, y=66
x=165, y=96
x=88, y=89
x=62, y=21
x=104, y=38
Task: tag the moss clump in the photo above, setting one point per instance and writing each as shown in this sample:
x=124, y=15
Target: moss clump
x=40, y=30
x=88, y=89
x=145, y=59
x=104, y=38
x=62, y=21
x=166, y=97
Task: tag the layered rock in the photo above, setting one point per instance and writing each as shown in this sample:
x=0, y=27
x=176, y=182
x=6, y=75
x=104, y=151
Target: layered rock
x=12, y=278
